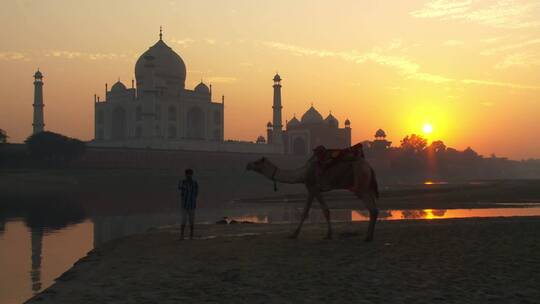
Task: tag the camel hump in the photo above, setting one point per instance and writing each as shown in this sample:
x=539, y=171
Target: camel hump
x=348, y=154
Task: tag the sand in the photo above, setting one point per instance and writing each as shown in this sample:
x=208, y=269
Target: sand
x=444, y=261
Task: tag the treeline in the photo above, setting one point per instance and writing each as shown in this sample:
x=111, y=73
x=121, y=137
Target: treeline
x=44, y=149
x=415, y=159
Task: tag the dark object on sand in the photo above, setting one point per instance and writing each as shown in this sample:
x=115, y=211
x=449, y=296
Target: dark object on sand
x=224, y=221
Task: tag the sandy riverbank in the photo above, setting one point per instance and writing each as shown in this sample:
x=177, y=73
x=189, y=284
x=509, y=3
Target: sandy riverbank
x=449, y=261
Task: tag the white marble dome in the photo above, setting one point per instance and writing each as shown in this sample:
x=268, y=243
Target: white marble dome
x=162, y=62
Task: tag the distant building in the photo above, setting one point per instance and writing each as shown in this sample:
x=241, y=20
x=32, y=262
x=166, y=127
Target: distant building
x=301, y=136
x=160, y=108
x=380, y=143
x=159, y=112
x=38, y=124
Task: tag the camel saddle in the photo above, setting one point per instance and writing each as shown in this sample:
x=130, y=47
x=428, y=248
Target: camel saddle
x=327, y=157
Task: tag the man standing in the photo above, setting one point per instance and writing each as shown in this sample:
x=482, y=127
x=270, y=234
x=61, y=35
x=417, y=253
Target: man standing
x=188, y=192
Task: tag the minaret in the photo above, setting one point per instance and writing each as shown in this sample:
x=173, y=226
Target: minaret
x=222, y=135
x=269, y=133
x=277, y=126
x=38, y=123
x=348, y=132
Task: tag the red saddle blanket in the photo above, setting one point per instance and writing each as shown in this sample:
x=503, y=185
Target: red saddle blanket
x=330, y=156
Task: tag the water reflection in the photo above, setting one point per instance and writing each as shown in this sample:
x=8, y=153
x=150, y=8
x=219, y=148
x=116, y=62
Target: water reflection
x=39, y=218
x=66, y=239
x=30, y=259
x=432, y=214
x=37, y=244
x=413, y=214
x=435, y=183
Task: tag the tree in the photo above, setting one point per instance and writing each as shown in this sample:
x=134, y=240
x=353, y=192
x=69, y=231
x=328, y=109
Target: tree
x=3, y=136
x=414, y=143
x=437, y=146
x=53, y=147
x=470, y=155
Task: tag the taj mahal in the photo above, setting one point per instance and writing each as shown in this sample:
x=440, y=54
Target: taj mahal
x=159, y=112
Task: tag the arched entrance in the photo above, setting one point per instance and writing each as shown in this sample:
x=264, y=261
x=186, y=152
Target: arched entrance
x=299, y=146
x=119, y=123
x=171, y=132
x=195, y=123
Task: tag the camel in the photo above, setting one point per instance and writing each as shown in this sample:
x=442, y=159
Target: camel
x=355, y=175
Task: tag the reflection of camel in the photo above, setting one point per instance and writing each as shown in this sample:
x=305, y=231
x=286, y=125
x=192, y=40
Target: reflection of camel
x=356, y=175
x=384, y=214
x=422, y=214
x=438, y=212
x=413, y=214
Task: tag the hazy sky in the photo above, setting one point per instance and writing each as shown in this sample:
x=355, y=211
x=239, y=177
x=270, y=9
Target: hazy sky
x=470, y=68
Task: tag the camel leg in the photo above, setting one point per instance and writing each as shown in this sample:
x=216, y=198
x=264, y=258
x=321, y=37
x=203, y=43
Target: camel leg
x=369, y=201
x=326, y=213
x=304, y=215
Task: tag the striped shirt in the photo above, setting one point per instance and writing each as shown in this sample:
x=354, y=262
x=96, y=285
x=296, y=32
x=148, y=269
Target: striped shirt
x=188, y=192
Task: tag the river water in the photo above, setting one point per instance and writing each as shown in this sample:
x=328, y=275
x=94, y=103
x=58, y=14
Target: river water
x=36, y=249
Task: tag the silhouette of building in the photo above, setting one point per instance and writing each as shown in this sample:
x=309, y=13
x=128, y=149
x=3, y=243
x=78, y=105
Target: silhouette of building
x=160, y=108
x=277, y=130
x=301, y=136
x=38, y=124
x=380, y=143
x=160, y=112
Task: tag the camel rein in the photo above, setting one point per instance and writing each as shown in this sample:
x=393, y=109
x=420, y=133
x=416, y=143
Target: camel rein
x=274, y=180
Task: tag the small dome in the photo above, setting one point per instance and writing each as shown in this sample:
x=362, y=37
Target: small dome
x=118, y=87
x=269, y=125
x=347, y=122
x=312, y=116
x=331, y=120
x=38, y=75
x=261, y=139
x=293, y=122
x=380, y=133
x=202, y=88
x=277, y=78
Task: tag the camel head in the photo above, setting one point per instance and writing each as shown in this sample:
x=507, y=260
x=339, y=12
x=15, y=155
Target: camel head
x=261, y=165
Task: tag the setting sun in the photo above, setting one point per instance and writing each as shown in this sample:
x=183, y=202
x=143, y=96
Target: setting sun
x=427, y=128
x=207, y=121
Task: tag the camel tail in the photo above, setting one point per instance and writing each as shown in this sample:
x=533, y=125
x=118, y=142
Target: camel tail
x=373, y=186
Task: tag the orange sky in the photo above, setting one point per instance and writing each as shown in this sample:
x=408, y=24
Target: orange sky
x=470, y=68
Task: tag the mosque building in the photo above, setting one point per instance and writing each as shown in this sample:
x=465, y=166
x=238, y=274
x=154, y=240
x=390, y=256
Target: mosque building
x=302, y=136
x=159, y=112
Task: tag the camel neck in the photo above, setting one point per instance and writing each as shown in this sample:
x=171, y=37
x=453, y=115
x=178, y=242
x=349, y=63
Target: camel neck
x=292, y=176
